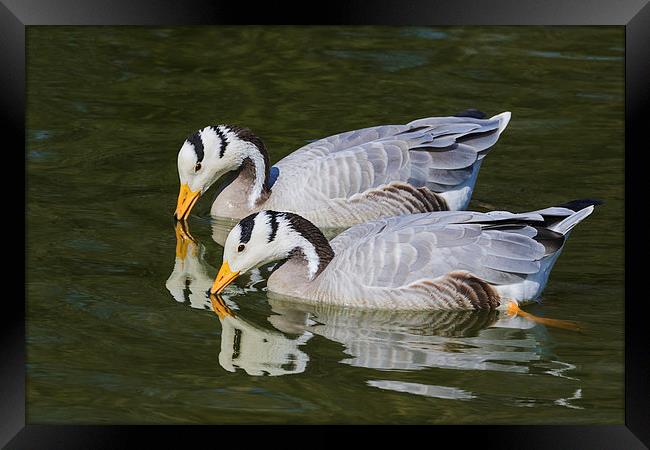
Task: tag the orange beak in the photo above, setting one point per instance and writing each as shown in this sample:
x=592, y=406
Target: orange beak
x=224, y=278
x=186, y=200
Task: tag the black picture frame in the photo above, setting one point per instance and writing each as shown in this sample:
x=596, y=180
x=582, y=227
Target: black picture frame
x=634, y=15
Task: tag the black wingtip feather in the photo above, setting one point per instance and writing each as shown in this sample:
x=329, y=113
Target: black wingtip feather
x=474, y=113
x=577, y=205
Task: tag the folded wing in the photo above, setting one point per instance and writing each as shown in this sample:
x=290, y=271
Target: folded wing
x=439, y=153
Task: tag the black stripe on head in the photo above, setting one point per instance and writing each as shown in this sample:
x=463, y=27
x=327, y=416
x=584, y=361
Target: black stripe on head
x=312, y=234
x=246, y=225
x=247, y=135
x=224, y=141
x=197, y=144
x=274, y=224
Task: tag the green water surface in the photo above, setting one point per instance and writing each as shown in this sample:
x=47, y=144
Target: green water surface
x=120, y=331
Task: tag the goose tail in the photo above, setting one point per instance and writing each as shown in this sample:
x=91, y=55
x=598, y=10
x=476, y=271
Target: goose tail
x=582, y=209
x=504, y=119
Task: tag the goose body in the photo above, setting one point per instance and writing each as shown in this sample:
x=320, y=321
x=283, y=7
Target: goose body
x=428, y=164
x=440, y=260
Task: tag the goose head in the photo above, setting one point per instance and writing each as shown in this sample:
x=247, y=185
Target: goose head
x=268, y=236
x=210, y=153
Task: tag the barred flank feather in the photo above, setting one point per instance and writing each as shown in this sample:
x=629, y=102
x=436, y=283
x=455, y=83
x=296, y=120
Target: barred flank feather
x=459, y=290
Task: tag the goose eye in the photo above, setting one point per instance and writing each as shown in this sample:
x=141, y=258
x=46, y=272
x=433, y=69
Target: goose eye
x=240, y=248
x=197, y=167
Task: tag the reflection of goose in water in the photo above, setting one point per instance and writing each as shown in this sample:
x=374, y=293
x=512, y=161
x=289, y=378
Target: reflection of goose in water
x=394, y=341
x=409, y=340
x=387, y=340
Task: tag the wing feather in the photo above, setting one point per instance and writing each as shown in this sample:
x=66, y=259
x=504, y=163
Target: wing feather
x=398, y=251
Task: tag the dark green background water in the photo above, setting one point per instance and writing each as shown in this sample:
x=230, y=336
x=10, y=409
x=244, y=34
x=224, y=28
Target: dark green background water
x=108, y=109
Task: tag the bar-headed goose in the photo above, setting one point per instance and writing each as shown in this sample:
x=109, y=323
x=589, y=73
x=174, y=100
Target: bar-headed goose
x=445, y=260
x=428, y=164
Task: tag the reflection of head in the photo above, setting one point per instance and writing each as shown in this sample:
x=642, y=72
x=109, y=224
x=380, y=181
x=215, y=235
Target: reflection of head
x=255, y=349
x=259, y=351
x=190, y=279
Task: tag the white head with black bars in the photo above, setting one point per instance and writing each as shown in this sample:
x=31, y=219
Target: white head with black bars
x=212, y=152
x=269, y=236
